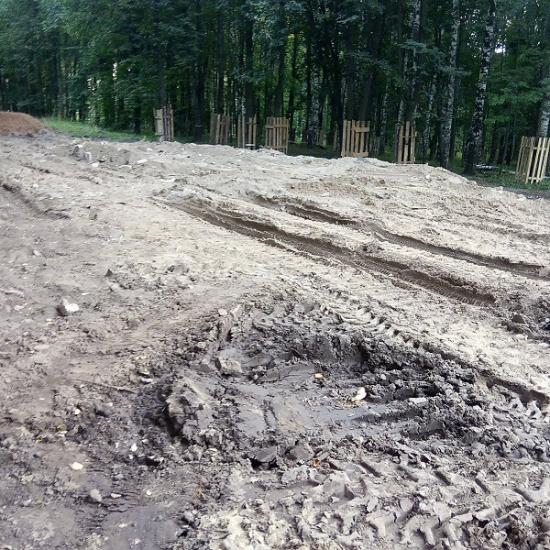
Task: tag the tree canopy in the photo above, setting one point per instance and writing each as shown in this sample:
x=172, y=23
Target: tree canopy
x=473, y=75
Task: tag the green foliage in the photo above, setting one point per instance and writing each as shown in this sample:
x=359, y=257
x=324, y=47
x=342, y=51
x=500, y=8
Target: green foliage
x=110, y=62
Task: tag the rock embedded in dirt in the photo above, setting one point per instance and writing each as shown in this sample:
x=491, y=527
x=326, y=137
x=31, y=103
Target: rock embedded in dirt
x=419, y=401
x=66, y=308
x=360, y=395
x=95, y=496
x=268, y=455
x=301, y=452
x=179, y=269
x=229, y=367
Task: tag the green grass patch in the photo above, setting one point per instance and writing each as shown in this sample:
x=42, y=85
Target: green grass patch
x=84, y=130
x=507, y=178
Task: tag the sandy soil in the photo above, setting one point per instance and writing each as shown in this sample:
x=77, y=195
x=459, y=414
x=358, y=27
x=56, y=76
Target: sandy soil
x=19, y=124
x=269, y=352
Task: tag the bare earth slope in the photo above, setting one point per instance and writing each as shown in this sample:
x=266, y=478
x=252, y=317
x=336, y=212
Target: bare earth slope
x=270, y=352
x=19, y=124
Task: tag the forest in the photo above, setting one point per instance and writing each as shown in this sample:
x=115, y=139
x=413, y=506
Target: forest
x=473, y=75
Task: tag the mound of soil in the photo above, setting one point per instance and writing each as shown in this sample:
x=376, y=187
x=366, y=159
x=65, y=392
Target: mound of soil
x=18, y=123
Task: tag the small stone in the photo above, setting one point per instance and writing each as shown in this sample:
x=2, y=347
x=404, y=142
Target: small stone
x=301, y=452
x=76, y=466
x=267, y=455
x=95, y=496
x=229, y=367
x=361, y=394
x=189, y=517
x=179, y=269
x=66, y=308
x=115, y=495
x=319, y=376
x=418, y=400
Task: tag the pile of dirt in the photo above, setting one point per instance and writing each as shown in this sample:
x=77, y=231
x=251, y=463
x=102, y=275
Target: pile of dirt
x=19, y=123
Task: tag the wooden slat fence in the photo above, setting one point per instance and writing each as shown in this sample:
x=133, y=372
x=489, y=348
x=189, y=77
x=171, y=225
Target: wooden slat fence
x=247, y=132
x=220, y=126
x=164, y=123
x=355, y=141
x=276, y=134
x=405, y=143
x=533, y=159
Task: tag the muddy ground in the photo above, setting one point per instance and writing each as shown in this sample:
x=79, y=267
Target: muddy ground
x=268, y=352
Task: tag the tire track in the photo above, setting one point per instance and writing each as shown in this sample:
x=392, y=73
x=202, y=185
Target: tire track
x=327, y=251
x=314, y=213
x=381, y=328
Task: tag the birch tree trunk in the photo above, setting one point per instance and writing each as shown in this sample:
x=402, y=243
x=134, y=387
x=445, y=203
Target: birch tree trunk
x=449, y=101
x=472, y=153
x=426, y=134
x=544, y=116
x=383, y=124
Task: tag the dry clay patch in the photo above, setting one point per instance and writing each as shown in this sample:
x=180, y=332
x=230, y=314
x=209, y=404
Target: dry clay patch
x=313, y=432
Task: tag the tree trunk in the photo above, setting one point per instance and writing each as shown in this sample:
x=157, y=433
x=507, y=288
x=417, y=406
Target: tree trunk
x=449, y=101
x=309, y=91
x=410, y=68
x=544, y=115
x=383, y=124
x=365, y=107
x=220, y=91
x=315, y=114
x=292, y=92
x=473, y=149
x=278, y=108
x=426, y=134
x=349, y=74
x=249, y=98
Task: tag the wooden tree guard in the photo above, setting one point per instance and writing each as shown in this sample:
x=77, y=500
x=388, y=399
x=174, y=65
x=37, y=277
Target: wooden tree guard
x=533, y=159
x=247, y=132
x=276, y=134
x=355, y=142
x=219, y=129
x=405, y=143
x=164, y=123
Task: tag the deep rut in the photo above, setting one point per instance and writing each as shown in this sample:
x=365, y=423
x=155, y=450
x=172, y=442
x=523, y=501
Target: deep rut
x=314, y=213
x=326, y=251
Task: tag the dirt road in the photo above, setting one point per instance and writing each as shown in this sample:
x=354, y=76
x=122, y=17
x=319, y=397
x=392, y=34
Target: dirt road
x=269, y=352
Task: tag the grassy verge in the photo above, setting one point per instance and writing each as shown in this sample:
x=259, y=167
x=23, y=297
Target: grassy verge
x=81, y=129
x=506, y=179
